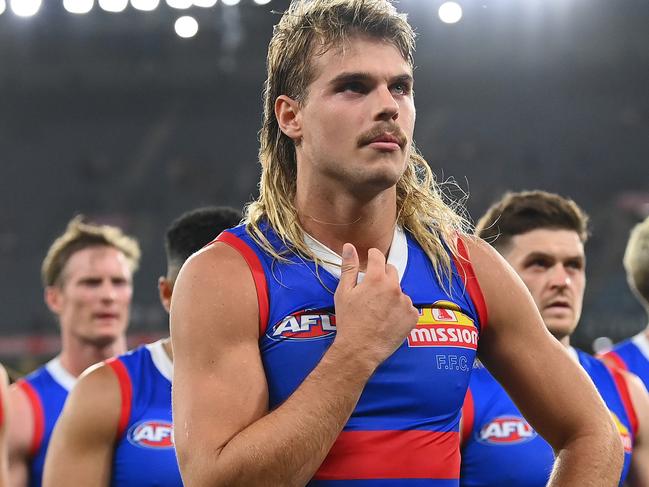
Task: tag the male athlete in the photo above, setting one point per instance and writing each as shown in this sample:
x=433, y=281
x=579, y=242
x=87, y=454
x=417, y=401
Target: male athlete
x=633, y=354
x=116, y=427
x=542, y=236
x=279, y=381
x=87, y=275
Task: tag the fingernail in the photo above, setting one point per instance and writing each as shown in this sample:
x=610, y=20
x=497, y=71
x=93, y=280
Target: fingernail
x=347, y=251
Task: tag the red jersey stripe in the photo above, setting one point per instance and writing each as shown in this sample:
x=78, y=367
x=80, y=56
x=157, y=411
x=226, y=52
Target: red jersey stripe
x=414, y=454
x=623, y=389
x=468, y=417
x=126, y=394
x=463, y=264
x=612, y=357
x=257, y=271
x=39, y=415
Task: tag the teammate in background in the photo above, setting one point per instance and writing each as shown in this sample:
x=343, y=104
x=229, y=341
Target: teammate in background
x=87, y=275
x=542, y=236
x=4, y=458
x=116, y=427
x=297, y=383
x=633, y=354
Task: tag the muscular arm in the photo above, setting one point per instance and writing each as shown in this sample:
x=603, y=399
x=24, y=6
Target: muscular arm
x=20, y=431
x=81, y=447
x=225, y=435
x=639, y=469
x=552, y=392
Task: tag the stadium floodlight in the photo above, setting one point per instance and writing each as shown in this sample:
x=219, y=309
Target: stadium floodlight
x=204, y=3
x=262, y=2
x=25, y=8
x=186, y=26
x=113, y=5
x=180, y=4
x=230, y=2
x=3, y=6
x=145, y=5
x=78, y=6
x=450, y=12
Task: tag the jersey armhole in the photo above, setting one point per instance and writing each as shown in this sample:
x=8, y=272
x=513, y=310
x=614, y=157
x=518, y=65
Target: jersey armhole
x=465, y=270
x=468, y=418
x=257, y=271
x=625, y=395
x=126, y=393
x=38, y=415
x=615, y=358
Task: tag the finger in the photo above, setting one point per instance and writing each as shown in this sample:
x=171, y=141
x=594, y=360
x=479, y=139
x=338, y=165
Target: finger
x=392, y=273
x=349, y=267
x=375, y=263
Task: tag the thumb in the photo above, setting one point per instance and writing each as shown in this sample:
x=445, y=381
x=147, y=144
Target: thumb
x=349, y=268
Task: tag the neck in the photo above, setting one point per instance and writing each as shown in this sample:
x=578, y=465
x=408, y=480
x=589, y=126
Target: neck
x=339, y=218
x=565, y=341
x=166, y=344
x=76, y=355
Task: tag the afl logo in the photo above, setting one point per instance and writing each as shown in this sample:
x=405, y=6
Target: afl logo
x=304, y=325
x=506, y=430
x=153, y=433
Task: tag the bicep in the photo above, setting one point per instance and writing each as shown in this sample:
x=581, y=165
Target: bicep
x=82, y=443
x=219, y=386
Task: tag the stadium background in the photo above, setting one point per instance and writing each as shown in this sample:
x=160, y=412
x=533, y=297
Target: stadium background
x=115, y=116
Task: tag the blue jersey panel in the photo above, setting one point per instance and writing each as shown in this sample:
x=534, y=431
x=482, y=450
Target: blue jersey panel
x=634, y=359
x=52, y=398
x=410, y=406
x=503, y=449
x=144, y=455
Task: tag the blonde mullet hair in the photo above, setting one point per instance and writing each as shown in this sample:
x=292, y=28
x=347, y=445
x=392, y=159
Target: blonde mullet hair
x=306, y=30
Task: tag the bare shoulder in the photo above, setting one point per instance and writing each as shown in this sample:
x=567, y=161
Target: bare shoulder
x=215, y=290
x=97, y=392
x=638, y=393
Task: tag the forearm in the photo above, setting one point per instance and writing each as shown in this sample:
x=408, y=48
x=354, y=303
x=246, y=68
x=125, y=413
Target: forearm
x=590, y=461
x=287, y=446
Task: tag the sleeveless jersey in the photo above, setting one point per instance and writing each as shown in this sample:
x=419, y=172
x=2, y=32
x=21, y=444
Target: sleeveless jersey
x=47, y=389
x=404, y=429
x=632, y=355
x=144, y=453
x=499, y=447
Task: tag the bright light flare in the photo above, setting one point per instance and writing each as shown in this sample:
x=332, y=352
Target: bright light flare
x=3, y=6
x=205, y=3
x=145, y=5
x=113, y=5
x=180, y=4
x=231, y=2
x=78, y=6
x=25, y=8
x=262, y=2
x=450, y=12
x=186, y=27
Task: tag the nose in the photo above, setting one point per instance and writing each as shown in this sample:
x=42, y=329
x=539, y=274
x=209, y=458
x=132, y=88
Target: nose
x=560, y=277
x=388, y=108
x=108, y=292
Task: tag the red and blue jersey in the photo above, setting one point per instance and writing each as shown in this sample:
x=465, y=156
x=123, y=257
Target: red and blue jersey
x=47, y=389
x=144, y=453
x=404, y=429
x=632, y=355
x=500, y=448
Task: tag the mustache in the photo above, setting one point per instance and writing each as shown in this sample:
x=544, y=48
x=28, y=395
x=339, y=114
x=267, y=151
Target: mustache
x=375, y=132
